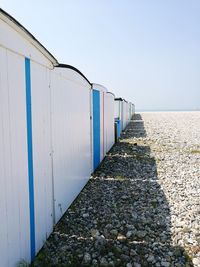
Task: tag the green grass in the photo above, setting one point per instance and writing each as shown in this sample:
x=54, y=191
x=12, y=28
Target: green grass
x=119, y=177
x=22, y=263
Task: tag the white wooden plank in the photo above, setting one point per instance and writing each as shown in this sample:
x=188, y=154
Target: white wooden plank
x=41, y=128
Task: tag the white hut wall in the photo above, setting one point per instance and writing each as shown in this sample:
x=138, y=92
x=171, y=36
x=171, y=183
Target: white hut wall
x=41, y=143
x=124, y=115
x=25, y=172
x=98, y=117
x=14, y=208
x=109, y=121
x=102, y=125
x=71, y=136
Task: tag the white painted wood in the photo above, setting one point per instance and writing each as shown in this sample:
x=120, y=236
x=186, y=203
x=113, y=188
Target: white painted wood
x=14, y=39
x=102, y=90
x=4, y=167
x=15, y=225
x=13, y=171
x=109, y=121
x=71, y=136
x=41, y=128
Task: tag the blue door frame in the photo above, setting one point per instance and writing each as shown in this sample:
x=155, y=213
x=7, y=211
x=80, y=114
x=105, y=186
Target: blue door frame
x=96, y=128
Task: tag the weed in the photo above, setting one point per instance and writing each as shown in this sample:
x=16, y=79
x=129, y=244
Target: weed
x=22, y=263
x=195, y=151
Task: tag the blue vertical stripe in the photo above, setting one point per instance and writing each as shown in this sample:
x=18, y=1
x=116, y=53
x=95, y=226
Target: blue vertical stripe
x=96, y=128
x=119, y=129
x=30, y=156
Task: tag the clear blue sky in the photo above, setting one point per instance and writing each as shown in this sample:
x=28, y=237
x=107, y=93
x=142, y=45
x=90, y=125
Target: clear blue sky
x=147, y=51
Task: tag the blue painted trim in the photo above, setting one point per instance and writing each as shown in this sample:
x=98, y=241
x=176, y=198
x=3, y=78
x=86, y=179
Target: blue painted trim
x=30, y=156
x=118, y=121
x=119, y=128
x=96, y=128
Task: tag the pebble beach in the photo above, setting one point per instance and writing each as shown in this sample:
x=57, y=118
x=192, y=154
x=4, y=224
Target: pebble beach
x=141, y=207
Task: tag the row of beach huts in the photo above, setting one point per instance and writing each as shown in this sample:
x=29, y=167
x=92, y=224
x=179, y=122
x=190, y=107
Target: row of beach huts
x=55, y=129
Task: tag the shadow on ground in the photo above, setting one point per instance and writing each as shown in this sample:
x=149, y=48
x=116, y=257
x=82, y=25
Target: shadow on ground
x=121, y=218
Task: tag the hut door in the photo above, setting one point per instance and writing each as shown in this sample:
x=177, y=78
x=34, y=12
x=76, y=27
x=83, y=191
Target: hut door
x=96, y=128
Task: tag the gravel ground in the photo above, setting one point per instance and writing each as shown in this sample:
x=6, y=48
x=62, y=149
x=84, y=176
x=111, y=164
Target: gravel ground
x=142, y=205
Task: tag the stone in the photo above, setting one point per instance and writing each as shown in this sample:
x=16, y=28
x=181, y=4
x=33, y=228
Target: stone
x=87, y=258
x=196, y=261
x=94, y=232
x=85, y=215
x=95, y=262
x=114, y=232
x=103, y=262
x=165, y=263
x=151, y=258
x=129, y=234
x=141, y=234
x=124, y=197
x=121, y=237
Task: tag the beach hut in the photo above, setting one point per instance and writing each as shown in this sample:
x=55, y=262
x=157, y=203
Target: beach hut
x=109, y=121
x=118, y=116
x=55, y=129
x=125, y=114
x=103, y=122
x=25, y=156
x=71, y=135
x=132, y=109
x=121, y=112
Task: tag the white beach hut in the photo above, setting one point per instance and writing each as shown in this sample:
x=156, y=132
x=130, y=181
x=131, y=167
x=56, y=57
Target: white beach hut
x=109, y=121
x=125, y=114
x=103, y=122
x=119, y=115
x=71, y=135
x=25, y=155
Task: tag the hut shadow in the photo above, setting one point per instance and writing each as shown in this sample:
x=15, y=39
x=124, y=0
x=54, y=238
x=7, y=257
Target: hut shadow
x=145, y=207
x=122, y=215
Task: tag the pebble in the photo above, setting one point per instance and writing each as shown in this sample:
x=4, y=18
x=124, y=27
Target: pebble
x=165, y=264
x=196, y=261
x=103, y=262
x=114, y=232
x=129, y=234
x=85, y=215
x=87, y=258
x=141, y=206
x=141, y=234
x=94, y=232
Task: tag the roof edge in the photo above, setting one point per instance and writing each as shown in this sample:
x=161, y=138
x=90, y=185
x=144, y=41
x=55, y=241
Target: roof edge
x=100, y=85
x=66, y=66
x=35, y=42
x=111, y=93
x=118, y=99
